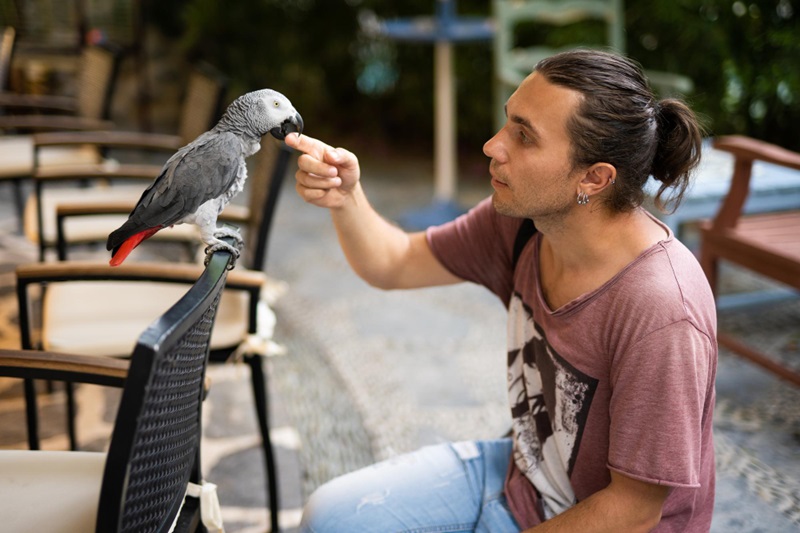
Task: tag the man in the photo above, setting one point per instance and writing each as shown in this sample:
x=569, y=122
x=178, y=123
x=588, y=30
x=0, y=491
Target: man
x=611, y=323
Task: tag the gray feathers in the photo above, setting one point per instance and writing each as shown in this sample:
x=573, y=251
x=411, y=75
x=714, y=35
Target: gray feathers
x=258, y=113
x=212, y=166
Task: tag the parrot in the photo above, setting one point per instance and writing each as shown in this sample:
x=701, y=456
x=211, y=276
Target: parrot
x=199, y=180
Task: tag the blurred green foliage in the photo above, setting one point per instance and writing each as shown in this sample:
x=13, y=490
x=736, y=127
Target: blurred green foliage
x=742, y=56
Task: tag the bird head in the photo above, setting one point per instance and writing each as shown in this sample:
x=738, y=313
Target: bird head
x=266, y=111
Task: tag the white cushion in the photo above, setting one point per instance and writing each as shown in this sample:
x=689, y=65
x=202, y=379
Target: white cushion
x=106, y=318
x=51, y=491
x=16, y=156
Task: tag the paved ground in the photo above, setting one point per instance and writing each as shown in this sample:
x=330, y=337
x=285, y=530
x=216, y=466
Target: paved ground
x=370, y=374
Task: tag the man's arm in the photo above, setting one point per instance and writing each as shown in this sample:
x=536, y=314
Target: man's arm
x=382, y=254
x=626, y=504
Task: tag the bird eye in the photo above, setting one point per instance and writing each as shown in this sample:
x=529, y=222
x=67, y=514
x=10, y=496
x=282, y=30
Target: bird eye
x=276, y=103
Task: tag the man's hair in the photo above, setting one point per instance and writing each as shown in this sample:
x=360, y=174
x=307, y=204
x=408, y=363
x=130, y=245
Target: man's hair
x=619, y=121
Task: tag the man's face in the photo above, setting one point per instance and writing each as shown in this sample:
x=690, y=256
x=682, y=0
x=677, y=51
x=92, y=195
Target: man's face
x=531, y=170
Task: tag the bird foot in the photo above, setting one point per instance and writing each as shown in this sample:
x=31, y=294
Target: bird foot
x=222, y=245
x=229, y=232
x=216, y=244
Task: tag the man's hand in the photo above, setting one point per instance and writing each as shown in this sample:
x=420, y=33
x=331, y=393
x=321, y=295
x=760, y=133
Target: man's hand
x=626, y=504
x=326, y=176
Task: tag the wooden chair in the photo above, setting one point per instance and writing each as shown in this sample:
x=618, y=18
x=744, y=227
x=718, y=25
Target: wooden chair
x=7, y=42
x=141, y=484
x=89, y=110
x=124, y=307
x=200, y=110
x=513, y=61
x=767, y=243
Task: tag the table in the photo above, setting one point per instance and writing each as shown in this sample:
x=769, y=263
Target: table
x=443, y=30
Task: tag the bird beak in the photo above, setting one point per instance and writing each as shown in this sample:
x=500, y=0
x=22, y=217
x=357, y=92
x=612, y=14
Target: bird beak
x=294, y=124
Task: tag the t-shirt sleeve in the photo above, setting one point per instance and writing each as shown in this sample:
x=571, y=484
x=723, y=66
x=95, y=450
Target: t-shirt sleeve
x=477, y=247
x=658, y=400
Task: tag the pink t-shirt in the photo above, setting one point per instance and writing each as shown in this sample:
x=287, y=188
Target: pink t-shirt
x=620, y=378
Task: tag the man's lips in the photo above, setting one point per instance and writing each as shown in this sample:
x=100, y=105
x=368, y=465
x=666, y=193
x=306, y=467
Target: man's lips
x=496, y=182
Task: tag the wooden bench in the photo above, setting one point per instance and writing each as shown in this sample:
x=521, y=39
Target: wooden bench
x=767, y=243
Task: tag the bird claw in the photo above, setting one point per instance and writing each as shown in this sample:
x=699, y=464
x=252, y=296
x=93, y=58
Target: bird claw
x=209, y=251
x=229, y=232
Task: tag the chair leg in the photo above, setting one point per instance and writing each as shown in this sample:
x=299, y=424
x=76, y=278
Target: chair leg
x=262, y=410
x=73, y=437
x=31, y=414
x=19, y=204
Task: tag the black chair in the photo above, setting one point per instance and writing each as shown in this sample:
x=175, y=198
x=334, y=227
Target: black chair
x=153, y=456
x=238, y=320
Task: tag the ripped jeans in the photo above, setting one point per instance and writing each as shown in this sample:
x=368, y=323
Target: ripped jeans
x=442, y=488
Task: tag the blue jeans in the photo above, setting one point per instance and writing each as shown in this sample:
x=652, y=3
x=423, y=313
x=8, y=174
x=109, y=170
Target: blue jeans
x=443, y=488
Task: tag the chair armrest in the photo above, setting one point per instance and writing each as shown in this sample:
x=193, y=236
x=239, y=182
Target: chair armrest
x=53, y=122
x=32, y=364
x=750, y=149
x=231, y=213
x=111, y=139
x=35, y=101
x=106, y=170
x=121, y=207
x=746, y=151
x=144, y=271
x=94, y=271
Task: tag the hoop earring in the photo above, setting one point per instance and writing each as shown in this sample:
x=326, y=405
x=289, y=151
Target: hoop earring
x=583, y=198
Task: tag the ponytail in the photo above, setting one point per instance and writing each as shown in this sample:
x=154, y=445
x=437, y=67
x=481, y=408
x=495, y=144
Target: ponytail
x=677, y=154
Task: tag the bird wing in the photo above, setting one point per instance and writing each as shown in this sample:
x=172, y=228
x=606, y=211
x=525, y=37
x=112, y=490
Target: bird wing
x=198, y=172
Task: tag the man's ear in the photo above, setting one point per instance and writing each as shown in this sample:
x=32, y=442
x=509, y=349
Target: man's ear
x=598, y=177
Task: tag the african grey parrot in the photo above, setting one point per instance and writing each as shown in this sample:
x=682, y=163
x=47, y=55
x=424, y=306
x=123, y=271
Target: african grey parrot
x=199, y=180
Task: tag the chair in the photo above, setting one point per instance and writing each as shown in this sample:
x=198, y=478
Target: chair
x=765, y=243
x=89, y=110
x=201, y=108
x=242, y=320
x=141, y=483
x=513, y=61
x=7, y=42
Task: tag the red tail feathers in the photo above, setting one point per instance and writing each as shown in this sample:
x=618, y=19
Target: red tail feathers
x=130, y=243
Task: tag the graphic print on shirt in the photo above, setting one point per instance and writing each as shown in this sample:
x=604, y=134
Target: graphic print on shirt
x=550, y=401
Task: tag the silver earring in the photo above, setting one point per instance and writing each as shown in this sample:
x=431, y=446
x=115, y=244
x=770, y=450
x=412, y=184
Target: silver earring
x=583, y=198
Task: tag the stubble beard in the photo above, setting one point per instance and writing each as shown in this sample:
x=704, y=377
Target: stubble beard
x=550, y=214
